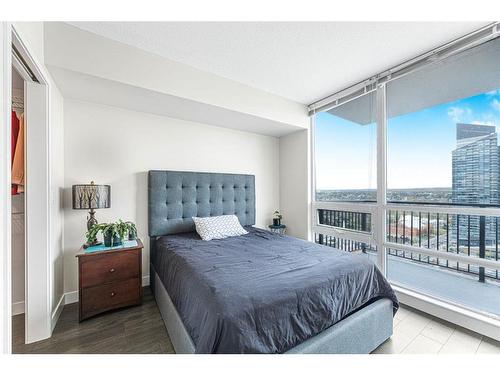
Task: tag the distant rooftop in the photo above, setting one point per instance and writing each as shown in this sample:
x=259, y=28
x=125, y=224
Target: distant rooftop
x=473, y=130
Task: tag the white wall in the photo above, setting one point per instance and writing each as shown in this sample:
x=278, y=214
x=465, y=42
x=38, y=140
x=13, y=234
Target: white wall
x=295, y=183
x=118, y=147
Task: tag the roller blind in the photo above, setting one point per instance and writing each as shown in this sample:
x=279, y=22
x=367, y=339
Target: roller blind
x=468, y=73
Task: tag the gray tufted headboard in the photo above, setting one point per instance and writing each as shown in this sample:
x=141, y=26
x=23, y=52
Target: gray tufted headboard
x=175, y=197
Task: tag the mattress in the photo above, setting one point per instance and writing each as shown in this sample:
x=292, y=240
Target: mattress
x=262, y=292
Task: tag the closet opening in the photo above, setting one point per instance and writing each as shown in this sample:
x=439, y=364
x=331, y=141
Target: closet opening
x=28, y=197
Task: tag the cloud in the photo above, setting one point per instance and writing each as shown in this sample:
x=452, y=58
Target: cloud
x=493, y=93
x=458, y=114
x=455, y=113
x=483, y=122
x=495, y=103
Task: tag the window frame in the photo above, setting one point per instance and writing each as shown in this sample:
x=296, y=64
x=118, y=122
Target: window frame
x=481, y=322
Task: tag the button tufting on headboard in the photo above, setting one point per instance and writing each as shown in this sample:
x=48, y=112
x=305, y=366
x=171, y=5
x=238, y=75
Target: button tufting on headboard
x=175, y=197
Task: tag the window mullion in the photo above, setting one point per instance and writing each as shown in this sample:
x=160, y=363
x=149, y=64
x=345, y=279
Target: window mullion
x=313, y=212
x=380, y=224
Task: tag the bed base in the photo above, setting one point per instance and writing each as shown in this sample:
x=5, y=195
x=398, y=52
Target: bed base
x=359, y=333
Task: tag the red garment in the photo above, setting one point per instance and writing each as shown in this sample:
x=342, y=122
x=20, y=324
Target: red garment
x=15, y=133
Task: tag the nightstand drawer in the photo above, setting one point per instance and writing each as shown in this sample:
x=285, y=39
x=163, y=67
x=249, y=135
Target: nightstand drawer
x=105, y=268
x=97, y=299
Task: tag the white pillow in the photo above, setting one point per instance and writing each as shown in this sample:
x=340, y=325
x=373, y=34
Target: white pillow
x=218, y=227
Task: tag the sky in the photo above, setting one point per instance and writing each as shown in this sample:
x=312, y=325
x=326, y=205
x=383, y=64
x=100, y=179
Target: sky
x=419, y=145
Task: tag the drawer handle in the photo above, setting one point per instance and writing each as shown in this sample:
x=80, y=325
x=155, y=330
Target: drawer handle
x=112, y=270
x=113, y=294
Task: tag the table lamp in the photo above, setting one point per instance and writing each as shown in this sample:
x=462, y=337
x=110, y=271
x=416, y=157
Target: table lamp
x=91, y=197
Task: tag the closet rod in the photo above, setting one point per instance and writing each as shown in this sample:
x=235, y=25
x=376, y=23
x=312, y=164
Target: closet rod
x=21, y=63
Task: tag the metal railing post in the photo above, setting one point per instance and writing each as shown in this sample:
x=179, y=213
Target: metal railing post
x=364, y=228
x=482, y=245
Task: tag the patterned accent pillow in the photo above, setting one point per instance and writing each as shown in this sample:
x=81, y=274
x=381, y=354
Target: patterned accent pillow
x=218, y=227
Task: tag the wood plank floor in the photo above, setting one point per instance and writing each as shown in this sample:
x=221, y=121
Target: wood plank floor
x=137, y=330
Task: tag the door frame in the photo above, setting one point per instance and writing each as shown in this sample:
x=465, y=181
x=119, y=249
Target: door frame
x=38, y=321
x=5, y=218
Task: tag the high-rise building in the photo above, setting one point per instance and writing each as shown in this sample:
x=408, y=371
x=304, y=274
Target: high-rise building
x=476, y=175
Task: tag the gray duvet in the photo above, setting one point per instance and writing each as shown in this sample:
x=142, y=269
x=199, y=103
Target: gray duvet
x=262, y=292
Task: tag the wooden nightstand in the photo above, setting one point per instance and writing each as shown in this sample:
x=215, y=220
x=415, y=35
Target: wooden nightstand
x=109, y=279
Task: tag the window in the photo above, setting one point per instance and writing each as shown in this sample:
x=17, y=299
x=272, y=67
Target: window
x=345, y=148
x=345, y=168
x=442, y=131
x=437, y=230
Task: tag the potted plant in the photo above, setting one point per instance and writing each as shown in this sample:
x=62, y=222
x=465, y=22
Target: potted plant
x=122, y=230
x=91, y=235
x=277, y=218
x=132, y=230
x=114, y=233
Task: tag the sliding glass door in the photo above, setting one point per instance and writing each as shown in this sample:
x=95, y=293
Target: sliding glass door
x=408, y=175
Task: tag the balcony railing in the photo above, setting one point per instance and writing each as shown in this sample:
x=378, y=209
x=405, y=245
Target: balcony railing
x=357, y=221
x=353, y=221
x=344, y=244
x=470, y=235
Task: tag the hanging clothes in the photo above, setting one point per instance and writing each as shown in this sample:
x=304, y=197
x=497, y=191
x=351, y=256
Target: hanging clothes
x=18, y=163
x=14, y=133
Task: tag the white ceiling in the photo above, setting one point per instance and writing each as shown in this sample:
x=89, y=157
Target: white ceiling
x=299, y=61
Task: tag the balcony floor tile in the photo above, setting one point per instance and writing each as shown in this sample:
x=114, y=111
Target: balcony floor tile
x=438, y=331
x=488, y=346
x=423, y=345
x=462, y=341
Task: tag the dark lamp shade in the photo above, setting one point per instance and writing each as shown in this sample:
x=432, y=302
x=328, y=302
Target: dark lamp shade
x=91, y=196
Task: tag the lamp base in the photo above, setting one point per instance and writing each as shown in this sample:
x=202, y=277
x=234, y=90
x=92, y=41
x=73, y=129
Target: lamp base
x=91, y=220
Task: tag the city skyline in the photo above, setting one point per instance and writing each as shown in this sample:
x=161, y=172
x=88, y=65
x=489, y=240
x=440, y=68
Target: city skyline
x=475, y=167
x=475, y=170
x=420, y=146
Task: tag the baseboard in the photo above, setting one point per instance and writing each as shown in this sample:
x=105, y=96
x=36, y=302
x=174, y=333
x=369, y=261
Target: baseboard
x=17, y=308
x=72, y=297
x=58, y=310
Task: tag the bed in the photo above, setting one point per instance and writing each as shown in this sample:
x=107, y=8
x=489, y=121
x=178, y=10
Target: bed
x=260, y=292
